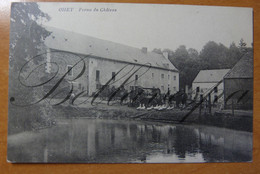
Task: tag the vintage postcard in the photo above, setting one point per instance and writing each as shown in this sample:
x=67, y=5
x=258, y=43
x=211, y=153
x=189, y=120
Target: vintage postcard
x=130, y=83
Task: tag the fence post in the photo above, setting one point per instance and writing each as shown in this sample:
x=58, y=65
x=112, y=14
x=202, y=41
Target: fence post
x=201, y=98
x=233, y=108
x=209, y=103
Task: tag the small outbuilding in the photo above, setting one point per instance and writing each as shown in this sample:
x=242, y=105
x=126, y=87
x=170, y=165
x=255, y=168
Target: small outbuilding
x=238, y=84
x=208, y=80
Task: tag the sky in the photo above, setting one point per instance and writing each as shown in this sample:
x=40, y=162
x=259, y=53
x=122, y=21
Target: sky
x=154, y=25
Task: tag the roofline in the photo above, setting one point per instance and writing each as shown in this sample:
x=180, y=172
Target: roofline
x=238, y=77
x=207, y=82
x=51, y=27
x=214, y=69
x=103, y=58
x=249, y=54
x=210, y=70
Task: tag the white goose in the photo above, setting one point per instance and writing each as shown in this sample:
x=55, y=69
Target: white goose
x=170, y=107
x=156, y=107
x=139, y=107
x=150, y=108
x=162, y=107
x=143, y=107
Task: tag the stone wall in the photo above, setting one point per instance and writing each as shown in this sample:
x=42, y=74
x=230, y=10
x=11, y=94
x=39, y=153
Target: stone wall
x=144, y=76
x=239, y=87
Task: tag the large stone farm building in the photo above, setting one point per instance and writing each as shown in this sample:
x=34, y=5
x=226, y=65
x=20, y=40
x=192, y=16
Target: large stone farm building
x=103, y=59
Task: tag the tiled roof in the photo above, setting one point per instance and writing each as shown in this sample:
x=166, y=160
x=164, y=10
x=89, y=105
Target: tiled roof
x=243, y=68
x=83, y=44
x=207, y=76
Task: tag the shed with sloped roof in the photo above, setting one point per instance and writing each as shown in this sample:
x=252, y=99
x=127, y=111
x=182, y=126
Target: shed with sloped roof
x=238, y=84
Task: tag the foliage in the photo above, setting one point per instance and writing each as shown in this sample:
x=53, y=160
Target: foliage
x=26, y=41
x=26, y=35
x=157, y=50
x=212, y=56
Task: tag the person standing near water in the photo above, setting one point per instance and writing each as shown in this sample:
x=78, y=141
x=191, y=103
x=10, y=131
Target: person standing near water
x=71, y=98
x=184, y=99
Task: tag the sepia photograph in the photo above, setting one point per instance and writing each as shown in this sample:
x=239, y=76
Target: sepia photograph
x=130, y=83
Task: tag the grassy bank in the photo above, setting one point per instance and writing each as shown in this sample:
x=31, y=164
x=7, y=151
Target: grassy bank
x=240, y=121
x=41, y=117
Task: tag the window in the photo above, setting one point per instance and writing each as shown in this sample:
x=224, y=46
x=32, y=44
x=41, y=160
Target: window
x=168, y=77
x=215, y=99
x=136, y=77
x=152, y=75
x=198, y=89
x=216, y=89
x=162, y=76
x=113, y=76
x=174, y=88
x=97, y=75
x=174, y=77
x=70, y=70
x=98, y=86
x=162, y=88
x=79, y=86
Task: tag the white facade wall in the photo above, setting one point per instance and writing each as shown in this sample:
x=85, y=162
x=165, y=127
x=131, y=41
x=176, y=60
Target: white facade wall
x=147, y=78
x=63, y=61
x=205, y=87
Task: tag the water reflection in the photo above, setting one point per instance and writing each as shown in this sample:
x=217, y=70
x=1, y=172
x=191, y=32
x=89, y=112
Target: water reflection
x=109, y=141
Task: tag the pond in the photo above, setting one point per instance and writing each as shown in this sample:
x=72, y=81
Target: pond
x=119, y=141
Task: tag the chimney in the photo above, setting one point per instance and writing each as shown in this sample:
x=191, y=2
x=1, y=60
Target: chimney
x=166, y=54
x=144, y=50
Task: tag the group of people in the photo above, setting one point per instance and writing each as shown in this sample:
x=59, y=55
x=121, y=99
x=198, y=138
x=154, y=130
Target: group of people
x=159, y=100
x=139, y=97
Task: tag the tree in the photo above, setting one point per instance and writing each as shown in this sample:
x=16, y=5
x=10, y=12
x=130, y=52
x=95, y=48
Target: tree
x=179, y=57
x=193, y=54
x=157, y=50
x=242, y=43
x=26, y=41
x=169, y=51
x=187, y=64
x=181, y=53
x=242, y=46
x=234, y=54
x=213, y=56
x=26, y=35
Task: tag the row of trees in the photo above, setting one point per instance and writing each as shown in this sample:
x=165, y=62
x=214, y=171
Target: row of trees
x=212, y=56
